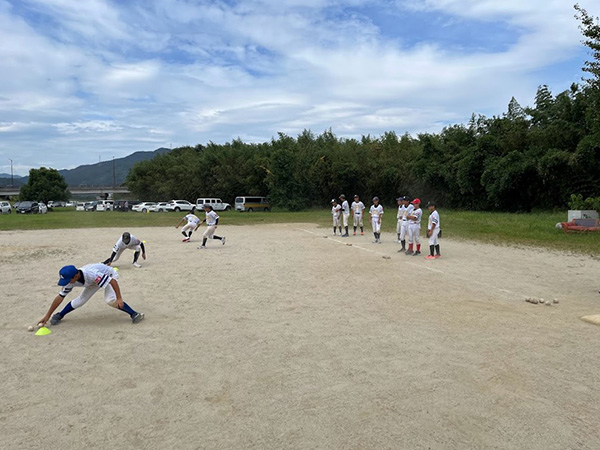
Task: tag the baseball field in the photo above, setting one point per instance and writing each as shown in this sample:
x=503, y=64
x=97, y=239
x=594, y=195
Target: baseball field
x=285, y=339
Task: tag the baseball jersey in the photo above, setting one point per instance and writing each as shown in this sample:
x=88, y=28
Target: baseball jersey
x=376, y=211
x=192, y=218
x=93, y=275
x=133, y=243
x=358, y=208
x=401, y=211
x=434, y=219
x=345, y=207
x=211, y=218
x=335, y=210
x=417, y=212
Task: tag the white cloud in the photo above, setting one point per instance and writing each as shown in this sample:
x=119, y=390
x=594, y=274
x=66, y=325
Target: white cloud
x=127, y=76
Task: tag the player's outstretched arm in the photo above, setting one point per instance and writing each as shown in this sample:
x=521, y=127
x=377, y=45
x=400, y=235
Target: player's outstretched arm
x=115, y=286
x=180, y=222
x=55, y=304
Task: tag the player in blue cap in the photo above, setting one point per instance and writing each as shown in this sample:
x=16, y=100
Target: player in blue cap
x=92, y=277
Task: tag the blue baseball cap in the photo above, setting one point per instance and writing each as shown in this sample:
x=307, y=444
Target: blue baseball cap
x=66, y=274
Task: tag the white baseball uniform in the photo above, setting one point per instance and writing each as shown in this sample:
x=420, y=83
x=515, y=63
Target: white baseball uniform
x=192, y=223
x=434, y=219
x=358, y=208
x=404, y=221
x=345, y=212
x=211, y=224
x=336, y=212
x=376, y=213
x=95, y=277
x=414, y=226
x=120, y=246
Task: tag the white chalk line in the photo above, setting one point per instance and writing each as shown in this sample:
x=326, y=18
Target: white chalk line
x=420, y=266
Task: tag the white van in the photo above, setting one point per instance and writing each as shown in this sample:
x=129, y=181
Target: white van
x=216, y=203
x=251, y=204
x=5, y=207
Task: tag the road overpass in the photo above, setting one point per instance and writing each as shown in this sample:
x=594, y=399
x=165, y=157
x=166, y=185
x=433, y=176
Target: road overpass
x=8, y=191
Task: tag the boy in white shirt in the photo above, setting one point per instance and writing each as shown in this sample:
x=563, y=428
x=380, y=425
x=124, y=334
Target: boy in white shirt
x=212, y=220
x=433, y=232
x=414, y=228
x=358, y=209
x=336, y=212
x=376, y=213
x=193, y=222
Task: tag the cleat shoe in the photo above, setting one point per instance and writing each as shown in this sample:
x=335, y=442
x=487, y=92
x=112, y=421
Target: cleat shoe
x=345, y=235
x=138, y=317
x=374, y=241
x=362, y=233
x=201, y=247
x=379, y=241
x=185, y=239
x=354, y=234
x=437, y=256
x=409, y=252
x=56, y=318
x=430, y=257
x=223, y=241
x=416, y=253
x=136, y=265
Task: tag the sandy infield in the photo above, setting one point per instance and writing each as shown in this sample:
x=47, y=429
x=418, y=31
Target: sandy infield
x=282, y=339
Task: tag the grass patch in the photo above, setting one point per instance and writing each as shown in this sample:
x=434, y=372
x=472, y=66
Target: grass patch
x=534, y=229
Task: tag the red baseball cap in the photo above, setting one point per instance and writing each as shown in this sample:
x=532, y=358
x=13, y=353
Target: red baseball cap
x=416, y=201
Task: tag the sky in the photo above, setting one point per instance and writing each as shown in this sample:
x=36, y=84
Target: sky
x=86, y=81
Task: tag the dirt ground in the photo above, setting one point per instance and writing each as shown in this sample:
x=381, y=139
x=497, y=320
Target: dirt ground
x=282, y=339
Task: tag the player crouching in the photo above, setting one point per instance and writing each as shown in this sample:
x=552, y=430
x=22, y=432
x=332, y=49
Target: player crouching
x=92, y=277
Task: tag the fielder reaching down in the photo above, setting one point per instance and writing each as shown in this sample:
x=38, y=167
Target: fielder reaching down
x=127, y=241
x=193, y=222
x=92, y=277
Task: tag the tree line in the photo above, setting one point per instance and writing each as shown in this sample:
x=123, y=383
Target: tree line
x=529, y=157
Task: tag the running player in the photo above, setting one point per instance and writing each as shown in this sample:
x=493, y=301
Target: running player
x=345, y=214
x=433, y=231
x=212, y=220
x=407, y=208
x=358, y=208
x=92, y=277
x=414, y=228
x=193, y=222
x=376, y=213
x=336, y=211
x=132, y=243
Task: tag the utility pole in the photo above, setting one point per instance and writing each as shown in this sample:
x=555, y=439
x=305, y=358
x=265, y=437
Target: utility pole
x=12, y=181
x=114, y=173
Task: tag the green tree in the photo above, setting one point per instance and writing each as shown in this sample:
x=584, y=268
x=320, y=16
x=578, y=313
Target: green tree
x=44, y=185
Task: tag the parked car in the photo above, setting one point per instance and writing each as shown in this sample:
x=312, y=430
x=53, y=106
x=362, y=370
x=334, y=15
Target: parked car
x=80, y=206
x=216, y=203
x=5, y=207
x=16, y=205
x=28, y=207
x=91, y=206
x=181, y=205
x=71, y=203
x=143, y=207
x=42, y=208
x=105, y=205
x=58, y=204
x=159, y=207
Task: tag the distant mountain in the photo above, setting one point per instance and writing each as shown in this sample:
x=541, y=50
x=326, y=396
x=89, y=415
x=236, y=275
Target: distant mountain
x=5, y=180
x=99, y=174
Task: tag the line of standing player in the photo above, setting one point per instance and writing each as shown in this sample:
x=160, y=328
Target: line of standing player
x=409, y=222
